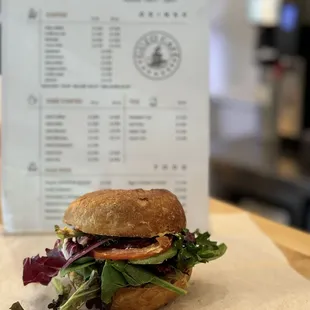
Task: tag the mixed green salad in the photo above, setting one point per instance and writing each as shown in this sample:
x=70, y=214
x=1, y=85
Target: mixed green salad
x=87, y=270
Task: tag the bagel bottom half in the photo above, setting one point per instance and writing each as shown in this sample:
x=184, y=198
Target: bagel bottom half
x=150, y=297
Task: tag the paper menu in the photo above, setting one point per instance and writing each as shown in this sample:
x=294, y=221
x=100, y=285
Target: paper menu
x=100, y=94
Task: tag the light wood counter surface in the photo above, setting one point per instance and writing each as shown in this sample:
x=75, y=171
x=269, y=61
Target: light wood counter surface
x=294, y=244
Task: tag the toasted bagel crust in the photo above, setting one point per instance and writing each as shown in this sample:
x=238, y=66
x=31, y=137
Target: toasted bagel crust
x=127, y=213
x=150, y=297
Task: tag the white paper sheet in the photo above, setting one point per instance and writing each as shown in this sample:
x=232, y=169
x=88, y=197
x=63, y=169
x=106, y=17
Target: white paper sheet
x=102, y=94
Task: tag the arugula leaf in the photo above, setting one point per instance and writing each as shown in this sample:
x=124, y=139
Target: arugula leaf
x=195, y=248
x=78, y=265
x=88, y=290
x=186, y=259
x=111, y=281
x=16, y=306
x=137, y=276
x=203, y=239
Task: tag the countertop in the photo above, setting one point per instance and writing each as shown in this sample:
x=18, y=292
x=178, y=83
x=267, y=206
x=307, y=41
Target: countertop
x=294, y=244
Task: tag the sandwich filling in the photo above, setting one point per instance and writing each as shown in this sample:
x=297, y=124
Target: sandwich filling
x=89, y=269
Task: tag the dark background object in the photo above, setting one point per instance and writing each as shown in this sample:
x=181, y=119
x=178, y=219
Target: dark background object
x=261, y=170
x=292, y=42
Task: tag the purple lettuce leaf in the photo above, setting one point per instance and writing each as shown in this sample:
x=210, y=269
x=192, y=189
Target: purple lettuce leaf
x=86, y=251
x=42, y=269
x=70, y=248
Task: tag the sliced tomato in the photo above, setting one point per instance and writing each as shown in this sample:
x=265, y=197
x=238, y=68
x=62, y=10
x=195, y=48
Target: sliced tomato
x=162, y=245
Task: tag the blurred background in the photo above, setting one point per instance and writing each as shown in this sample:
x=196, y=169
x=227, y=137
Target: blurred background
x=260, y=112
x=260, y=150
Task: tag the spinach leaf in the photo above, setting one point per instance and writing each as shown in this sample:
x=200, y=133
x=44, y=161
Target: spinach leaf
x=111, y=281
x=85, y=272
x=78, y=265
x=207, y=254
x=137, y=276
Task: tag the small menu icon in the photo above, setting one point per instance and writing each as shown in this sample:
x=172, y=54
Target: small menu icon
x=32, y=14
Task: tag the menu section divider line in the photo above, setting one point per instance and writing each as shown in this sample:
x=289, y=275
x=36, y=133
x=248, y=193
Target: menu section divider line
x=115, y=108
x=116, y=175
x=111, y=23
x=40, y=46
x=124, y=129
x=39, y=98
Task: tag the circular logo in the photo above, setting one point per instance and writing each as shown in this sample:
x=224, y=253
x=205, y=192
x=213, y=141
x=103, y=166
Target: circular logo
x=157, y=55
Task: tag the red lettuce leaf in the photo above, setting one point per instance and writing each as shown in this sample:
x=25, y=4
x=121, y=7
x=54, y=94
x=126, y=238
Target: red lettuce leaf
x=42, y=269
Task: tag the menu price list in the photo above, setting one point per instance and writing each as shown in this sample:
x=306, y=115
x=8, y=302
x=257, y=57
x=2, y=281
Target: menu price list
x=61, y=142
x=61, y=53
x=58, y=193
x=112, y=133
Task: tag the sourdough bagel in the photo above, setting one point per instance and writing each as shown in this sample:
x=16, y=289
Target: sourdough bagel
x=127, y=213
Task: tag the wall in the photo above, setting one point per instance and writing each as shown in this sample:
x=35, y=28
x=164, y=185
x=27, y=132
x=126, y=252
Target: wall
x=233, y=120
x=232, y=68
x=233, y=74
